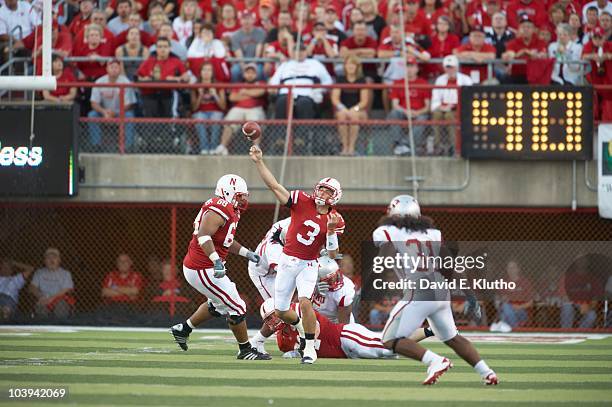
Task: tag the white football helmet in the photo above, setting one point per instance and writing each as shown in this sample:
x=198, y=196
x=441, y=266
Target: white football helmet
x=333, y=185
x=404, y=205
x=266, y=310
x=329, y=272
x=233, y=189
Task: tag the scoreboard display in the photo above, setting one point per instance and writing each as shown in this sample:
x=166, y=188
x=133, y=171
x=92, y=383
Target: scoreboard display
x=523, y=122
x=48, y=164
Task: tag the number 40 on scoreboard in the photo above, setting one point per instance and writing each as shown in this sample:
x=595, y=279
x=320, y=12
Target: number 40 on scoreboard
x=522, y=122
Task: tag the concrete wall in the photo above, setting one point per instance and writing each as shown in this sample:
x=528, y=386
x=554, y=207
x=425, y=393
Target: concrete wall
x=366, y=180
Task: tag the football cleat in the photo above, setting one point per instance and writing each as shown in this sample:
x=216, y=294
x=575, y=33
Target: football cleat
x=260, y=346
x=252, y=354
x=309, y=355
x=180, y=337
x=437, y=369
x=491, y=379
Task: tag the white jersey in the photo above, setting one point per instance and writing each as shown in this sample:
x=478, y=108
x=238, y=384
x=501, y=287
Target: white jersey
x=270, y=250
x=328, y=303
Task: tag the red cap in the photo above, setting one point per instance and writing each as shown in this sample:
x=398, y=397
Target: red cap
x=266, y=3
x=246, y=13
x=598, y=32
x=524, y=18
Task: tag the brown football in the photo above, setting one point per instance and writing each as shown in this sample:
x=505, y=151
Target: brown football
x=251, y=130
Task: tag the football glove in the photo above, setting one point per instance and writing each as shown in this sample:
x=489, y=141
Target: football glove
x=472, y=306
x=322, y=287
x=218, y=269
x=253, y=257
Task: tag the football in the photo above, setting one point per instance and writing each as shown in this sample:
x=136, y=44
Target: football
x=251, y=130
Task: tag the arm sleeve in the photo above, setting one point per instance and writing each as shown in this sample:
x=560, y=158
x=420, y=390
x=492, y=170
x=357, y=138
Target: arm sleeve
x=96, y=96
x=68, y=281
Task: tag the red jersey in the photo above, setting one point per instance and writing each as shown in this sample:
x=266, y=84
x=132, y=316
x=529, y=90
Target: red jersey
x=327, y=339
x=308, y=229
x=480, y=68
x=146, y=38
x=167, y=67
x=66, y=76
x=114, y=279
x=535, y=10
x=223, y=30
x=519, y=44
x=250, y=102
x=601, y=74
x=93, y=69
x=223, y=238
x=417, y=96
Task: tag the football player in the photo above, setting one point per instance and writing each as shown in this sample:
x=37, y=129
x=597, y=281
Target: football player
x=314, y=224
x=404, y=230
x=353, y=341
x=204, y=265
x=335, y=292
x=263, y=274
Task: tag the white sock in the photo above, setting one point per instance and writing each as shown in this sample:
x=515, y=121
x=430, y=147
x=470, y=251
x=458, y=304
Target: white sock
x=429, y=357
x=192, y=326
x=259, y=337
x=482, y=368
x=300, y=327
x=310, y=344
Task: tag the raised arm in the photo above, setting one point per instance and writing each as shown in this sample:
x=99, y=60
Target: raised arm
x=279, y=191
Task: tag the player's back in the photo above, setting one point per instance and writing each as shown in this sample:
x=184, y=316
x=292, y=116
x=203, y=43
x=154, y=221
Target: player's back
x=222, y=239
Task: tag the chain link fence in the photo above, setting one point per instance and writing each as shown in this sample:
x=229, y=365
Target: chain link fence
x=154, y=238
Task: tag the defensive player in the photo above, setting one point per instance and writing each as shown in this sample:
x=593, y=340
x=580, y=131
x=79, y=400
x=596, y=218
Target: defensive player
x=353, y=341
x=314, y=224
x=404, y=230
x=204, y=265
x=263, y=274
x=335, y=292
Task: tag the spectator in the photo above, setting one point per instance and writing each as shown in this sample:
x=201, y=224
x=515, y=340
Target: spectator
x=228, y=23
x=433, y=9
x=591, y=22
x=565, y=51
x=96, y=50
x=458, y=15
x=321, y=46
x=362, y=46
x=247, y=43
x=576, y=25
x=11, y=284
x=533, y=10
x=379, y=314
x=474, y=54
x=350, y=104
x=284, y=21
x=580, y=291
x=208, y=103
x=206, y=45
x=170, y=8
x=556, y=16
x=281, y=49
x=176, y=48
x=122, y=287
x=157, y=68
x=371, y=17
x=605, y=22
x=525, y=47
x=498, y=34
x=599, y=52
x=155, y=22
x=416, y=23
x=515, y=303
x=267, y=19
x=82, y=19
x=599, y=5
x=97, y=18
x=120, y=22
x=444, y=102
x=15, y=13
x=392, y=46
x=356, y=16
x=105, y=103
x=134, y=21
x=133, y=48
x=443, y=42
x=183, y=24
x=62, y=94
x=195, y=32
x=483, y=15
x=420, y=104
x=61, y=43
x=51, y=286
x=333, y=25
x=247, y=105
x=170, y=285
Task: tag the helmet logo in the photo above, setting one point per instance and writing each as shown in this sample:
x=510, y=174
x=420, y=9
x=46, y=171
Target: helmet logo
x=233, y=181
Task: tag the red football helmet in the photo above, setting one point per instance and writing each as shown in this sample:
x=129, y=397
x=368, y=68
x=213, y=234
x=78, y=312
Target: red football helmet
x=329, y=272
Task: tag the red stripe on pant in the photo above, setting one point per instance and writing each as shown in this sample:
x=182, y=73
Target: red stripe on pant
x=392, y=318
x=367, y=345
x=215, y=292
x=264, y=287
x=361, y=336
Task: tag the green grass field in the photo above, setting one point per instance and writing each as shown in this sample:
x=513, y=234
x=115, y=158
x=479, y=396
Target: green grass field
x=145, y=368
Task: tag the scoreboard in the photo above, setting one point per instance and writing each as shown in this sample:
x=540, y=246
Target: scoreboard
x=45, y=166
x=527, y=122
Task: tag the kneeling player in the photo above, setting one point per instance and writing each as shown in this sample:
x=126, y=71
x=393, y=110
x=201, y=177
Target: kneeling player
x=204, y=265
x=353, y=341
x=335, y=292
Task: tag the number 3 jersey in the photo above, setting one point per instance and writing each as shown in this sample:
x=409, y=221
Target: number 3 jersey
x=196, y=259
x=308, y=229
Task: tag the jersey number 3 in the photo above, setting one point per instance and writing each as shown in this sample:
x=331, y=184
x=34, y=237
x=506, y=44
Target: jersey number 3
x=311, y=234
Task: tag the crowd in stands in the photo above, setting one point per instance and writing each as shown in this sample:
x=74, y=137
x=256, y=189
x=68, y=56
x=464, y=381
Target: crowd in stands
x=191, y=41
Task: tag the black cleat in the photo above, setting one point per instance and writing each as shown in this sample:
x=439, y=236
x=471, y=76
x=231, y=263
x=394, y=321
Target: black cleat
x=180, y=336
x=252, y=354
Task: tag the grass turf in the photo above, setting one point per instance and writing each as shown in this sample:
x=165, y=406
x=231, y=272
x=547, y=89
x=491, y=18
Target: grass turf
x=145, y=368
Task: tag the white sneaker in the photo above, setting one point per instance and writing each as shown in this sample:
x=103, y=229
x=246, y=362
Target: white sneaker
x=292, y=354
x=310, y=355
x=204, y=152
x=504, y=327
x=437, y=369
x=220, y=150
x=494, y=327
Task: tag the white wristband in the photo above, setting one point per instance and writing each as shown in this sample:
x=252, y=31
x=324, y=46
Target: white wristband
x=332, y=242
x=204, y=239
x=214, y=257
x=243, y=251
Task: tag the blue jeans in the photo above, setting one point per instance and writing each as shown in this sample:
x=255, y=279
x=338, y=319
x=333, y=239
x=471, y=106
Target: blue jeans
x=95, y=130
x=214, y=129
x=512, y=316
x=567, y=317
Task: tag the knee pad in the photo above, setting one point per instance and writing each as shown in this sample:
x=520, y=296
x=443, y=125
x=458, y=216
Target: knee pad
x=235, y=319
x=213, y=311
